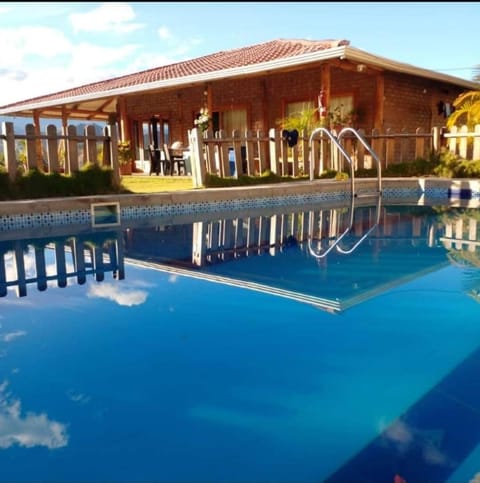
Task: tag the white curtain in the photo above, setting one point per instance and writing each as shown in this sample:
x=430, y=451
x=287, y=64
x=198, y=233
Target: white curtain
x=234, y=119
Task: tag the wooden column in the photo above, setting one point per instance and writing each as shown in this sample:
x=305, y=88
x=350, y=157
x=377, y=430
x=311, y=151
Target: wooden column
x=379, y=102
x=123, y=124
x=38, y=142
x=325, y=82
x=208, y=101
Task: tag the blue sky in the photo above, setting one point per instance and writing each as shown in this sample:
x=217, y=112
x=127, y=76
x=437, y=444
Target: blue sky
x=47, y=47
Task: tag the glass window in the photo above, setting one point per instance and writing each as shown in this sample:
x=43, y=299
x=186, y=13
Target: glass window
x=234, y=119
x=296, y=108
x=144, y=135
x=341, y=106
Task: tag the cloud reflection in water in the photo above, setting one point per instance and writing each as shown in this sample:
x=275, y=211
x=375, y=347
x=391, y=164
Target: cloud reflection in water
x=30, y=429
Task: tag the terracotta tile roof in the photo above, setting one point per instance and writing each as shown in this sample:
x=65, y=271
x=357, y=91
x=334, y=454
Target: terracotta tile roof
x=244, y=56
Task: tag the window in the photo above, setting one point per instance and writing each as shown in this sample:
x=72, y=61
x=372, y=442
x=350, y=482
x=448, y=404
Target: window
x=296, y=108
x=340, y=108
x=229, y=120
x=148, y=132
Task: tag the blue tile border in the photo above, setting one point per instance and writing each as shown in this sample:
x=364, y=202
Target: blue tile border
x=134, y=211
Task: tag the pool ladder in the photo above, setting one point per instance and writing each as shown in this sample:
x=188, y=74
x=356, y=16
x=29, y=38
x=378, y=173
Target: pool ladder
x=336, y=141
x=315, y=253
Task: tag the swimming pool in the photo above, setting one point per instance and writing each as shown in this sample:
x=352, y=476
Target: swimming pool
x=323, y=342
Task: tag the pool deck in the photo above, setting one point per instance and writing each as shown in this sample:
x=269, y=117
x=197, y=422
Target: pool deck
x=52, y=211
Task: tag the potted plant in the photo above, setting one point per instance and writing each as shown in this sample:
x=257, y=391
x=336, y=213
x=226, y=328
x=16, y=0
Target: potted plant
x=125, y=157
x=203, y=119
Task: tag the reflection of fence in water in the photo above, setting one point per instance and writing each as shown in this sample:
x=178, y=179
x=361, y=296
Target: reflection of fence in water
x=228, y=239
x=75, y=257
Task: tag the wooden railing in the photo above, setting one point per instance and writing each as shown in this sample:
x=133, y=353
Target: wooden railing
x=249, y=152
x=54, y=151
x=464, y=143
x=252, y=153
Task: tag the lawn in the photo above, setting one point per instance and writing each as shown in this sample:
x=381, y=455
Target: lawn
x=156, y=184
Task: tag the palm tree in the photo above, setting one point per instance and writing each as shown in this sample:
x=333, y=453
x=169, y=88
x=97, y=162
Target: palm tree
x=467, y=110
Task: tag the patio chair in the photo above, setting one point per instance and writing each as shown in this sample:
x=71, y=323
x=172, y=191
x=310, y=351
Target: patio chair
x=156, y=161
x=174, y=158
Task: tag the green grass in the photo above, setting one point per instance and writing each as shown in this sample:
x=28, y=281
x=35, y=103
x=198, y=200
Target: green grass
x=156, y=184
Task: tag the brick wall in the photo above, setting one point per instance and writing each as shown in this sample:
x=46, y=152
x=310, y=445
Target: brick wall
x=410, y=102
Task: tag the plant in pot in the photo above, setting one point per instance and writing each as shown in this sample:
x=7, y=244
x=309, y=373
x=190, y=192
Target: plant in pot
x=125, y=156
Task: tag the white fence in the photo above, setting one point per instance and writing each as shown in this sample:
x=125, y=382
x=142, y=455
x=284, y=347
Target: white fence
x=252, y=153
x=56, y=151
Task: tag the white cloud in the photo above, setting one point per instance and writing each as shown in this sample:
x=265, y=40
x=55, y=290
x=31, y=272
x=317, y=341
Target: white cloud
x=27, y=430
x=118, y=294
x=85, y=63
x=87, y=56
x=21, y=43
x=164, y=33
x=404, y=437
x=78, y=397
x=111, y=16
x=40, y=60
x=13, y=335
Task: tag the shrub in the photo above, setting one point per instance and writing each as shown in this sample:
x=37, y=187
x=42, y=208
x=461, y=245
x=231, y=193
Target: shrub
x=90, y=180
x=452, y=166
x=267, y=177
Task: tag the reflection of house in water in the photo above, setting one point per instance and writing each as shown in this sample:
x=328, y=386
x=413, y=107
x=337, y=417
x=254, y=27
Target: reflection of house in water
x=333, y=257
x=368, y=250
x=92, y=253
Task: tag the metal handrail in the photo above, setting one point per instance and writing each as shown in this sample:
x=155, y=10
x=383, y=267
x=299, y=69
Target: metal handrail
x=336, y=142
x=377, y=220
x=335, y=244
x=313, y=252
x=368, y=148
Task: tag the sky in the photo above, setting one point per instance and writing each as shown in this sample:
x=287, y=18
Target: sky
x=51, y=46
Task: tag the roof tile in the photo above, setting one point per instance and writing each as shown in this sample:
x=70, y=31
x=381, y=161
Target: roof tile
x=244, y=56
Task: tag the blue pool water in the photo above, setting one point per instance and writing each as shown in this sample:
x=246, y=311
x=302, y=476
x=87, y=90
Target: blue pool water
x=243, y=347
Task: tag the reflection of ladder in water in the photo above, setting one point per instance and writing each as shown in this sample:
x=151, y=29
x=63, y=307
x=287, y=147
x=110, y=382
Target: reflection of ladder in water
x=335, y=244
x=336, y=141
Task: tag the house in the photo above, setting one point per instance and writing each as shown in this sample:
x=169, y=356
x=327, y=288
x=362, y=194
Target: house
x=254, y=87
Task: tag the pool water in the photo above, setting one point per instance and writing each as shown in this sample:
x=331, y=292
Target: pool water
x=309, y=344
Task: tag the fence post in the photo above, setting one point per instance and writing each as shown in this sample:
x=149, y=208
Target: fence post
x=237, y=152
x=9, y=149
x=476, y=144
x=360, y=151
x=52, y=148
x=31, y=147
x=196, y=155
x=249, y=151
x=72, y=150
x=111, y=132
x=274, y=143
x=452, y=142
x=263, y=160
x=436, y=138
x=419, y=144
x=223, y=153
x=390, y=148
x=463, y=143
x=305, y=152
x=284, y=157
x=90, y=144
